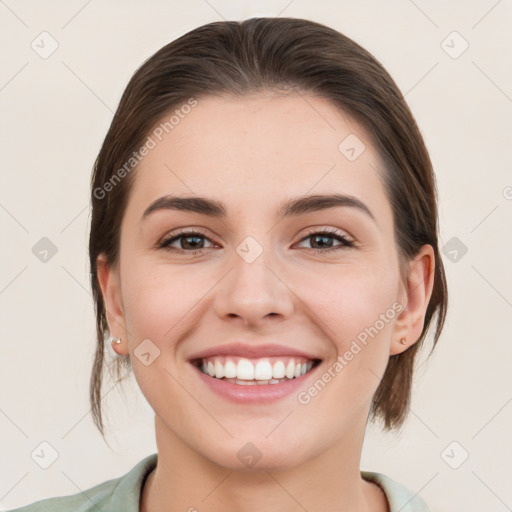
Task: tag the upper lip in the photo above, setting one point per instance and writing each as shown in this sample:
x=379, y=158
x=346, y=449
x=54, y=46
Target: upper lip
x=252, y=351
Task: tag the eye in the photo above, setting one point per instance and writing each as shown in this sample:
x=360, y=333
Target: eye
x=192, y=242
x=323, y=240
x=189, y=242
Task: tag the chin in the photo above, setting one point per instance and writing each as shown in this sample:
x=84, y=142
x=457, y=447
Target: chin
x=256, y=454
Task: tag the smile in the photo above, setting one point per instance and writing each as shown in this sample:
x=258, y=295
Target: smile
x=244, y=371
x=254, y=373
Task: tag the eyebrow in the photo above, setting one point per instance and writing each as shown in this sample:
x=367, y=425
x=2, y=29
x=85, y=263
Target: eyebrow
x=216, y=209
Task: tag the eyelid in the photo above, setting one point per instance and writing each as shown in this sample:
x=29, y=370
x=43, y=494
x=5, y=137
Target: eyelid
x=327, y=229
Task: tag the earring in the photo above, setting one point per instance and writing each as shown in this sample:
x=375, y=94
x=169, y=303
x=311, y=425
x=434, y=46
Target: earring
x=113, y=342
x=403, y=341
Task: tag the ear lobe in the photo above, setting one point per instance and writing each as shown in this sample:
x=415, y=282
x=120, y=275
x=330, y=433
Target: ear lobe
x=419, y=286
x=109, y=282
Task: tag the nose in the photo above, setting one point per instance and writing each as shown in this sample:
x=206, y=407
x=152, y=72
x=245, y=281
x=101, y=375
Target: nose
x=254, y=291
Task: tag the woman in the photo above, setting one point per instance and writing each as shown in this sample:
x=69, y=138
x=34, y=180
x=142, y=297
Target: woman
x=264, y=258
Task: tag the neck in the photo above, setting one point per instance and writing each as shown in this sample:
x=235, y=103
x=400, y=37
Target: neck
x=186, y=481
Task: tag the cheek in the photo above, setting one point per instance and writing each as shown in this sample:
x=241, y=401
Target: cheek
x=158, y=301
x=359, y=309
x=159, y=306
x=352, y=299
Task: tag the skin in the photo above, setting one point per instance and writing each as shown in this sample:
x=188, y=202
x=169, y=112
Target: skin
x=252, y=153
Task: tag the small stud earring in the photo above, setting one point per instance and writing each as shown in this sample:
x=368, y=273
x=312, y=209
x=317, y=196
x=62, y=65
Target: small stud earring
x=115, y=340
x=403, y=341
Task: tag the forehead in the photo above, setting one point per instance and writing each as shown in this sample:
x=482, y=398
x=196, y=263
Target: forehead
x=258, y=147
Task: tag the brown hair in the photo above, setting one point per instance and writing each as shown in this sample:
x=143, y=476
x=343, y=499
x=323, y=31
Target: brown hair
x=239, y=58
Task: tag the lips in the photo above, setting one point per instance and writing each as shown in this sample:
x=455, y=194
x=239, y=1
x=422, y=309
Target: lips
x=253, y=365
x=250, y=351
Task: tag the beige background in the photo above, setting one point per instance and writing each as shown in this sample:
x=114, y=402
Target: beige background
x=54, y=114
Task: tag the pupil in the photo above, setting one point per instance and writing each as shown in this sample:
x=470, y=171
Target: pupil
x=193, y=245
x=323, y=237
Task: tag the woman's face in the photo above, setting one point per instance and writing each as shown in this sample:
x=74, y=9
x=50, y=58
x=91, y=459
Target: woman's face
x=265, y=294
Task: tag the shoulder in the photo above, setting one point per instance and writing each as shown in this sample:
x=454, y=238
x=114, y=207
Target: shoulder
x=88, y=500
x=122, y=493
x=400, y=498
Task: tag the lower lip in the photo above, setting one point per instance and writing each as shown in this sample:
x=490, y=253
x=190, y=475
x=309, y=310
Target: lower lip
x=255, y=393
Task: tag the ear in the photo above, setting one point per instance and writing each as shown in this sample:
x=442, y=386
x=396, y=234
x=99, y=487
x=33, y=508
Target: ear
x=109, y=282
x=415, y=296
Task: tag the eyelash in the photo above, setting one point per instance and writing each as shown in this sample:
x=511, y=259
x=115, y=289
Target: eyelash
x=345, y=242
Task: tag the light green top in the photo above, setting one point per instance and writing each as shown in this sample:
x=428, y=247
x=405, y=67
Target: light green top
x=122, y=494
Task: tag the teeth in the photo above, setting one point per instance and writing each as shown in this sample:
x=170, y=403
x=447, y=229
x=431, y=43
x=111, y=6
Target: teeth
x=219, y=369
x=278, y=370
x=244, y=370
x=230, y=370
x=290, y=369
x=263, y=371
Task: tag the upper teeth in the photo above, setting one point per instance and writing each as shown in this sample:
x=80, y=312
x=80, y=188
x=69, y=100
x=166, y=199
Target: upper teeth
x=260, y=369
